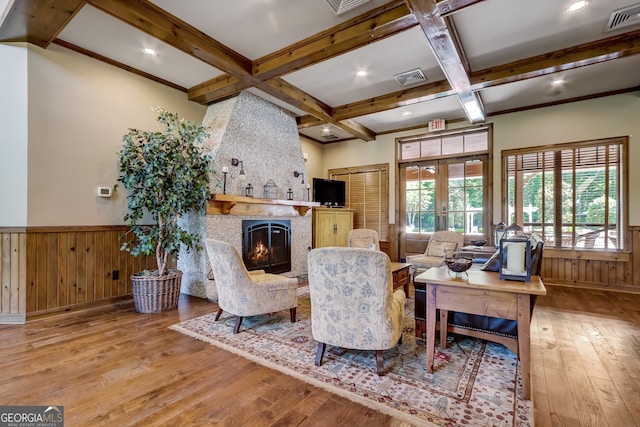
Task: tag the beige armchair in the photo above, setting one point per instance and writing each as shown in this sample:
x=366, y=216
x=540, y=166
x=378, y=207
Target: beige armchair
x=362, y=238
x=243, y=293
x=353, y=304
x=440, y=244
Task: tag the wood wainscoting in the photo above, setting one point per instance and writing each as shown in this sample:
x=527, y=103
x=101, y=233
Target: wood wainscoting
x=48, y=269
x=595, y=269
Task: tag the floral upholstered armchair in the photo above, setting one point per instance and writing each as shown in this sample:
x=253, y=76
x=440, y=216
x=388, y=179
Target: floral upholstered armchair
x=441, y=244
x=243, y=293
x=362, y=238
x=353, y=304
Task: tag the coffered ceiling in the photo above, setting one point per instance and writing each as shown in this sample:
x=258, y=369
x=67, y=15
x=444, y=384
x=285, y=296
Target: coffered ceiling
x=421, y=60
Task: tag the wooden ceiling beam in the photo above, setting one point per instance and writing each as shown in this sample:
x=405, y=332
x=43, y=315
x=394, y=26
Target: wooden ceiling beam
x=446, y=51
x=147, y=17
x=151, y=19
x=38, y=21
x=370, y=27
x=295, y=97
x=217, y=89
x=384, y=21
x=615, y=47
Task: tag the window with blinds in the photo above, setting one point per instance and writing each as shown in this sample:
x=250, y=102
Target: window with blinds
x=367, y=193
x=574, y=194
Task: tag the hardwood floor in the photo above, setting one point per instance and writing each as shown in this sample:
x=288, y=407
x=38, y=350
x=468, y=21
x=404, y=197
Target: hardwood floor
x=111, y=366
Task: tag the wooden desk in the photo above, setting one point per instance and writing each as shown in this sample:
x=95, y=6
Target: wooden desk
x=481, y=293
x=400, y=272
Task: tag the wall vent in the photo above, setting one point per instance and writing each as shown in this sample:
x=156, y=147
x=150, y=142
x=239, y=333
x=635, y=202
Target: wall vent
x=411, y=77
x=342, y=6
x=625, y=17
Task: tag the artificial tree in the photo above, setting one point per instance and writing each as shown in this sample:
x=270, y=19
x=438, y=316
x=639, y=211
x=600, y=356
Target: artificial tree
x=167, y=175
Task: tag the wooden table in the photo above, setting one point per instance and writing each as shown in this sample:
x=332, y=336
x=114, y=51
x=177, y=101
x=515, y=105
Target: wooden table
x=400, y=271
x=482, y=293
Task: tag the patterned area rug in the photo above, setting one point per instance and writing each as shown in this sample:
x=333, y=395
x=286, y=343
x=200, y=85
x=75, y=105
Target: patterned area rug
x=475, y=383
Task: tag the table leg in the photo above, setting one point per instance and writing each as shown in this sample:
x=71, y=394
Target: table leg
x=444, y=316
x=431, y=325
x=524, y=342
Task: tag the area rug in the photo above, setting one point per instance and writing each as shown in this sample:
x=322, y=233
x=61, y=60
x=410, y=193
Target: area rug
x=475, y=383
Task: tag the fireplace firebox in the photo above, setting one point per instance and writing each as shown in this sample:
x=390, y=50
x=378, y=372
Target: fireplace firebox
x=266, y=245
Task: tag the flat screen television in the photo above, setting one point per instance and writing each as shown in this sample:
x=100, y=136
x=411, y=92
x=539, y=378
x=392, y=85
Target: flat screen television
x=329, y=192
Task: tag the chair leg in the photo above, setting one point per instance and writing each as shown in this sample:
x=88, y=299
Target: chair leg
x=218, y=314
x=292, y=312
x=380, y=362
x=320, y=353
x=236, y=328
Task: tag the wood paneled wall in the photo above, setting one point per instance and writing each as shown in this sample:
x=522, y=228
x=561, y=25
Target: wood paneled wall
x=45, y=269
x=74, y=265
x=587, y=269
x=13, y=271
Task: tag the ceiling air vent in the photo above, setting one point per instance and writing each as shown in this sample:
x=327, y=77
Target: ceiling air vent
x=329, y=136
x=625, y=17
x=412, y=77
x=342, y=6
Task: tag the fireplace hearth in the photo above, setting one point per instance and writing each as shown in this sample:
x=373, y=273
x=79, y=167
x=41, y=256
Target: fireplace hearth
x=266, y=245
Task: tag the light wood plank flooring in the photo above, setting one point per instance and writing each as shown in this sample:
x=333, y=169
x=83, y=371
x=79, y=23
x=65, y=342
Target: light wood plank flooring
x=111, y=366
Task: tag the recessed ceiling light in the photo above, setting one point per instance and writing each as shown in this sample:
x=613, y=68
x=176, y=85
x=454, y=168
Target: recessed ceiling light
x=150, y=52
x=576, y=6
x=407, y=113
x=326, y=129
x=361, y=73
x=557, y=82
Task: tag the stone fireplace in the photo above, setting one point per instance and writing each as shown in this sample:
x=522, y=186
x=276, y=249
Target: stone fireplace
x=264, y=139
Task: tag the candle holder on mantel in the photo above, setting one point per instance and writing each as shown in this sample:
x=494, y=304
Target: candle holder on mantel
x=515, y=256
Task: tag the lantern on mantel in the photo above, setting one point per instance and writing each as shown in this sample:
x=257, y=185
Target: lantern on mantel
x=515, y=255
x=248, y=191
x=290, y=194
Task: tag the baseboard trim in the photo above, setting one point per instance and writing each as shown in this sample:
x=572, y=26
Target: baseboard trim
x=13, y=319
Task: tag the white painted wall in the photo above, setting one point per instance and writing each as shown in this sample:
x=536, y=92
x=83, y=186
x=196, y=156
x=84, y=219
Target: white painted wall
x=79, y=109
x=13, y=142
x=611, y=116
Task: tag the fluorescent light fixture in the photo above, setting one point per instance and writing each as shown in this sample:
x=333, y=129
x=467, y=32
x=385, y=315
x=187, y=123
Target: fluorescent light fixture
x=576, y=6
x=150, y=52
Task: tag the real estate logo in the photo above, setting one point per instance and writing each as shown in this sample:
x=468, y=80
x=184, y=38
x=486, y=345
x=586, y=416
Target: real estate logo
x=31, y=416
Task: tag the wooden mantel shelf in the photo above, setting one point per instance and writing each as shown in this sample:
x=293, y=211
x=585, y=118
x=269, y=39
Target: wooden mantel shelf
x=224, y=203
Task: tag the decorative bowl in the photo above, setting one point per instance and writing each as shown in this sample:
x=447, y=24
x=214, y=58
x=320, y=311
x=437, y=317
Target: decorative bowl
x=458, y=265
x=478, y=242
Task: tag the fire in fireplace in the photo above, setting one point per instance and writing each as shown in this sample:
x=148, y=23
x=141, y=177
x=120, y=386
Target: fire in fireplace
x=266, y=244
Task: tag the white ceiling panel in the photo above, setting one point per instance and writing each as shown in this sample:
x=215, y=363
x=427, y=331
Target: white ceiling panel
x=96, y=31
x=500, y=31
x=420, y=114
x=335, y=83
x=255, y=28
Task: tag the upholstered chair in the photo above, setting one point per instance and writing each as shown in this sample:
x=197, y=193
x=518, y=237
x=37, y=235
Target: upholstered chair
x=441, y=244
x=362, y=238
x=353, y=304
x=243, y=293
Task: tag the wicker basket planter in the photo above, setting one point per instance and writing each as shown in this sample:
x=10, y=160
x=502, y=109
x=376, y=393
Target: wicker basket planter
x=153, y=294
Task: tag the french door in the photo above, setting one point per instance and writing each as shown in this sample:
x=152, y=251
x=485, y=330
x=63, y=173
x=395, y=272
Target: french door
x=446, y=194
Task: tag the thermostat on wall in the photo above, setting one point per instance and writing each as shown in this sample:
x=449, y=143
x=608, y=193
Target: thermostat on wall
x=104, y=192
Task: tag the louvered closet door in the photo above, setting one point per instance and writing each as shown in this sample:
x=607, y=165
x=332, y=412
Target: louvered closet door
x=367, y=195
